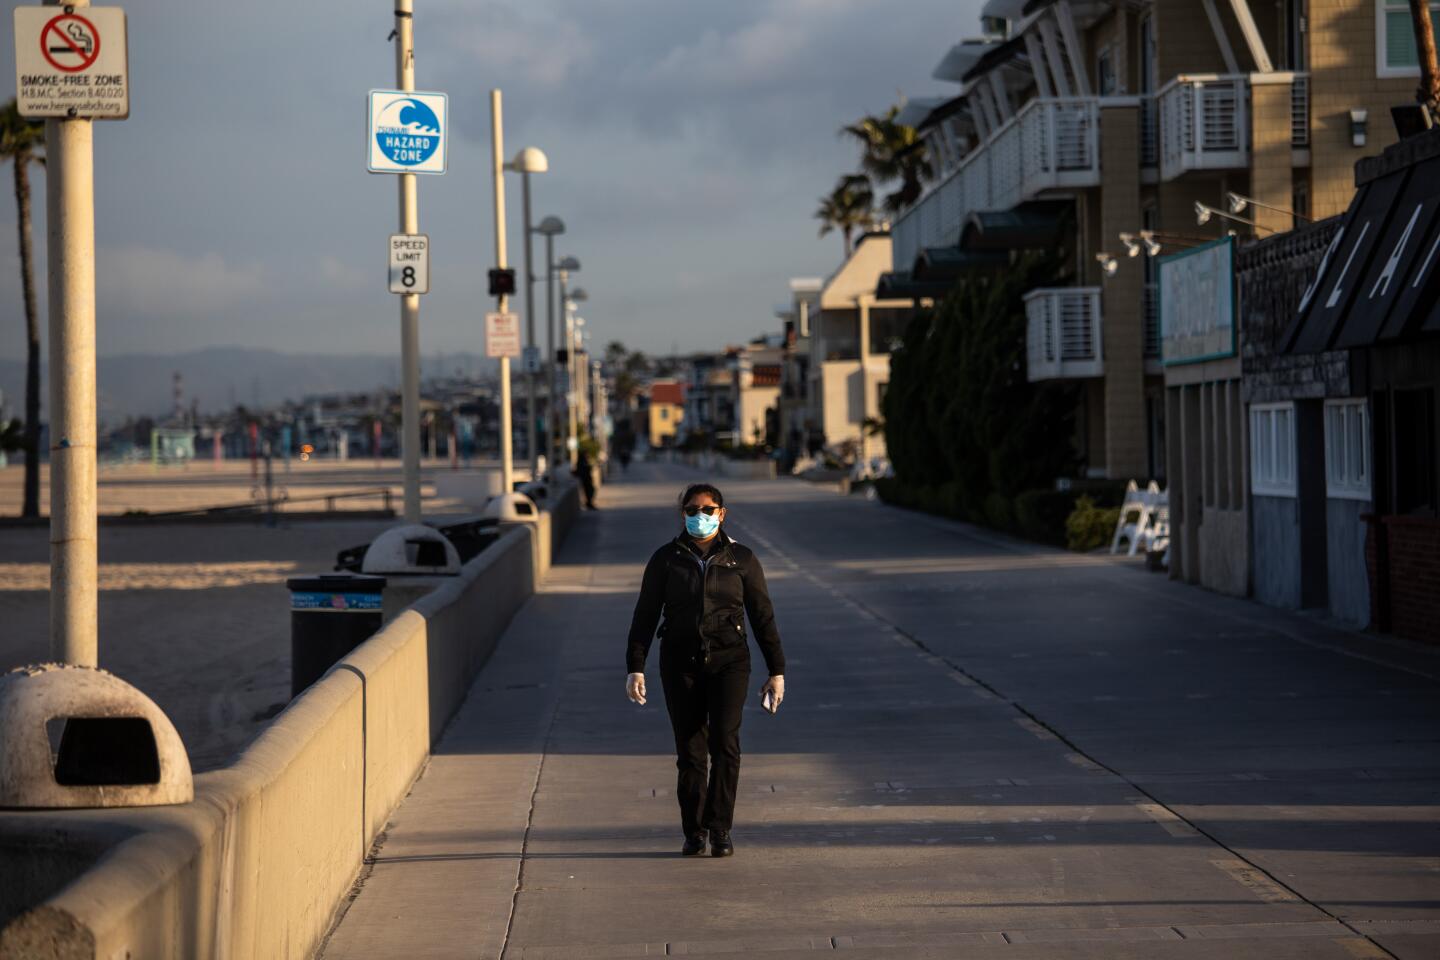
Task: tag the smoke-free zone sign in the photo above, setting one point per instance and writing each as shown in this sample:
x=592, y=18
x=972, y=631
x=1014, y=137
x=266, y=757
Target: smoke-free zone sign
x=407, y=132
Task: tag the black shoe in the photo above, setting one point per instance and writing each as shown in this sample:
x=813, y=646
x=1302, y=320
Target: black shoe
x=694, y=846
x=720, y=845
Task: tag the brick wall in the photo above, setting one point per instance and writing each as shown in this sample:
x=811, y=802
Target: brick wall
x=1271, y=181
x=1402, y=556
x=1342, y=78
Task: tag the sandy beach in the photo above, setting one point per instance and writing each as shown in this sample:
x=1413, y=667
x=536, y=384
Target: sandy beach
x=194, y=614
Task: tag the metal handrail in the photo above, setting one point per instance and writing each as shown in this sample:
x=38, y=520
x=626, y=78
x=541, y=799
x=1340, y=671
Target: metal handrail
x=271, y=502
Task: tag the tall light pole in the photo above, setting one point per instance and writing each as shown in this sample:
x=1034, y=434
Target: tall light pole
x=550, y=228
x=528, y=161
x=563, y=269
x=572, y=433
x=74, y=560
x=497, y=145
x=409, y=302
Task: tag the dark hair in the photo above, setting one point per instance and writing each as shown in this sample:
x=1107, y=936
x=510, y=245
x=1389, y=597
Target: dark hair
x=698, y=488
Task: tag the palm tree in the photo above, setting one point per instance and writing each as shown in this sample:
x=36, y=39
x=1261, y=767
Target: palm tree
x=892, y=151
x=20, y=142
x=846, y=207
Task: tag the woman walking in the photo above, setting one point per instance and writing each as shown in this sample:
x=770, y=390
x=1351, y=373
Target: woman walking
x=704, y=584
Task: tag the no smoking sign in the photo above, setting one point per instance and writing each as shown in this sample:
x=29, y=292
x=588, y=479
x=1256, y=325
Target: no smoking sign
x=70, y=43
x=72, y=64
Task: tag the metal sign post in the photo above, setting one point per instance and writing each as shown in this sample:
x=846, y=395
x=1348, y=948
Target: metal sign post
x=408, y=135
x=497, y=142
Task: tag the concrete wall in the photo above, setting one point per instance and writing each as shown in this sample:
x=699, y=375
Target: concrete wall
x=256, y=866
x=1349, y=584
x=1224, y=553
x=1275, y=542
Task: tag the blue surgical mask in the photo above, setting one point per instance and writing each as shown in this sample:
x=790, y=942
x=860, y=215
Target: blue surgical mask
x=700, y=526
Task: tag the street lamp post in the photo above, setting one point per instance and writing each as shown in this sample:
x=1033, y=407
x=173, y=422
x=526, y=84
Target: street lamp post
x=550, y=228
x=572, y=435
x=528, y=161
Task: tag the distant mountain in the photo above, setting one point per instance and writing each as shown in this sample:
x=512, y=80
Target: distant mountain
x=218, y=378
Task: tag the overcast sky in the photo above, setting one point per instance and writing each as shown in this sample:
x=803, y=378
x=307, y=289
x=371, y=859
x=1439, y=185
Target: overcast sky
x=688, y=144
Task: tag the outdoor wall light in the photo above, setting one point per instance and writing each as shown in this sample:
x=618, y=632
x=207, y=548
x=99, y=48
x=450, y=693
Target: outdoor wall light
x=1152, y=246
x=1203, y=214
x=1132, y=245
x=1108, y=263
x=1359, y=119
x=1238, y=203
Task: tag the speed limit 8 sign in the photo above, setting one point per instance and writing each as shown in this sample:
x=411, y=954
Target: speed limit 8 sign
x=409, y=263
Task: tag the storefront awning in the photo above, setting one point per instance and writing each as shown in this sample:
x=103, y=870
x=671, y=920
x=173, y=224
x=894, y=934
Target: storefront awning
x=1030, y=226
x=947, y=263
x=901, y=285
x=1378, y=281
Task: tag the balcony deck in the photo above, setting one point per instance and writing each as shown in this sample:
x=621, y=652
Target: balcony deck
x=1052, y=143
x=1063, y=333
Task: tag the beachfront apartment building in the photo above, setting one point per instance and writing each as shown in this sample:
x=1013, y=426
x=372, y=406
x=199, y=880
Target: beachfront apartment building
x=850, y=339
x=1095, y=118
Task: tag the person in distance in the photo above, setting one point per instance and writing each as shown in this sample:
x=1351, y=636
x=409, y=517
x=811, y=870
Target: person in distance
x=704, y=584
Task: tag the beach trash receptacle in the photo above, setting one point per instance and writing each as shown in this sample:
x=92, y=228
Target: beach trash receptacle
x=330, y=615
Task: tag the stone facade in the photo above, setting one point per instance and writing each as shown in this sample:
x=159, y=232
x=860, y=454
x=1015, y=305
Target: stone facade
x=1272, y=276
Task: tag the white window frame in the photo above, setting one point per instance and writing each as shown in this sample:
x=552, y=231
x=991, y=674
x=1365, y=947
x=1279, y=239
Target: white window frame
x=1340, y=483
x=1382, y=69
x=1265, y=478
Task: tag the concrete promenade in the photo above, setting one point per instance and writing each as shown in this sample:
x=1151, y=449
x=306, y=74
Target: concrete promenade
x=986, y=749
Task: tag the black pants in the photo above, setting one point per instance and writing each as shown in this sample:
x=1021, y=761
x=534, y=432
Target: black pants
x=704, y=703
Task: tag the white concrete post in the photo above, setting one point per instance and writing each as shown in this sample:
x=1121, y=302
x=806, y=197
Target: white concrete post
x=572, y=398
x=531, y=408
x=497, y=145
x=409, y=302
x=864, y=324
x=70, y=212
x=550, y=451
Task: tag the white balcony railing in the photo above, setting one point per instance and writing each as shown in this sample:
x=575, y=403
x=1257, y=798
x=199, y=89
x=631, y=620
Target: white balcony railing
x=1203, y=124
x=1052, y=143
x=1063, y=335
x=1300, y=110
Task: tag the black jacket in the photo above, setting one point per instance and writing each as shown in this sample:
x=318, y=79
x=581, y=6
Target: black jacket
x=704, y=602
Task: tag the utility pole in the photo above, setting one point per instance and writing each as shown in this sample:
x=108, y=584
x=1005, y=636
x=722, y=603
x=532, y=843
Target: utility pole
x=70, y=212
x=531, y=409
x=550, y=450
x=409, y=302
x=497, y=142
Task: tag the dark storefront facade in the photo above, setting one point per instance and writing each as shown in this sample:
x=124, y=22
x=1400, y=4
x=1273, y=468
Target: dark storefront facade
x=1374, y=307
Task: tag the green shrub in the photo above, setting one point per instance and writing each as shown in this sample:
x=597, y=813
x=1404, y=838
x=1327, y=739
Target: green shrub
x=1089, y=526
x=1040, y=515
x=998, y=512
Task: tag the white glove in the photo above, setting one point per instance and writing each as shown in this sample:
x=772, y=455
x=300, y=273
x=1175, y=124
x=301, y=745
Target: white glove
x=635, y=687
x=775, y=686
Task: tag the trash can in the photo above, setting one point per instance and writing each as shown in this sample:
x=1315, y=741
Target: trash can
x=330, y=615
x=116, y=747
x=471, y=536
x=415, y=560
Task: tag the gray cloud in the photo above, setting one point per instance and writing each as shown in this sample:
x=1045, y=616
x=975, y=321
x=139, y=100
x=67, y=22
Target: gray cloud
x=688, y=144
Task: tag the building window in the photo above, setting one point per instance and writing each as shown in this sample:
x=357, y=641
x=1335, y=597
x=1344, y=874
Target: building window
x=1395, y=51
x=1105, y=72
x=1347, y=449
x=1272, y=449
x=664, y=413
